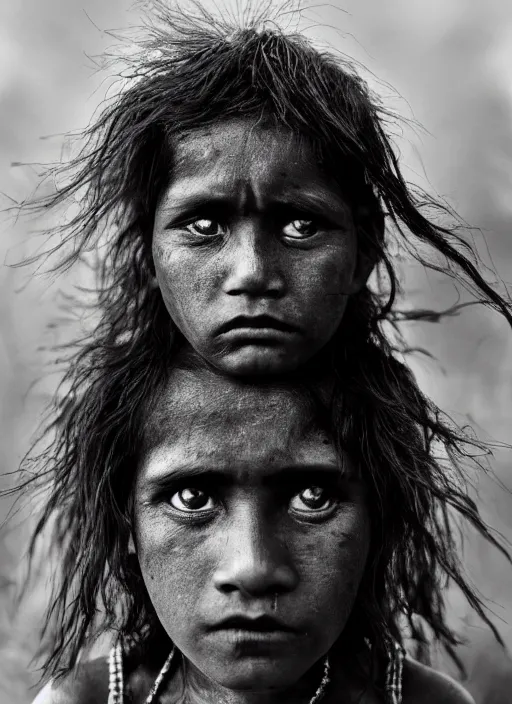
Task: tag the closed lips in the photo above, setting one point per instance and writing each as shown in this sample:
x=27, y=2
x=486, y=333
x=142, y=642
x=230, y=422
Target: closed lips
x=258, y=321
x=262, y=624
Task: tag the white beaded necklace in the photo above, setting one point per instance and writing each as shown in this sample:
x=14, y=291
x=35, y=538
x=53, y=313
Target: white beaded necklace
x=116, y=681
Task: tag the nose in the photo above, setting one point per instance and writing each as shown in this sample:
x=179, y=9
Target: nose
x=255, y=562
x=255, y=268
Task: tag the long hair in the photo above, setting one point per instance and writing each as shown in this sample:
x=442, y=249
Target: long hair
x=194, y=70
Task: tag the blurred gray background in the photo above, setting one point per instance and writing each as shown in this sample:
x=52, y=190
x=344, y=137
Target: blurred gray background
x=446, y=64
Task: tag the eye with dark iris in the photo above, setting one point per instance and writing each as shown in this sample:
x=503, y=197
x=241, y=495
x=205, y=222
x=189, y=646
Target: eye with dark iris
x=301, y=229
x=313, y=498
x=191, y=499
x=205, y=227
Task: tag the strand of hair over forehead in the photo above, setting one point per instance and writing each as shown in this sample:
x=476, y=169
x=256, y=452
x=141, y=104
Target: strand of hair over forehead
x=113, y=373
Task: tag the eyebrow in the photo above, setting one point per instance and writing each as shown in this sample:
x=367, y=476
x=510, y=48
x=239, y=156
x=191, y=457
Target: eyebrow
x=211, y=476
x=321, y=204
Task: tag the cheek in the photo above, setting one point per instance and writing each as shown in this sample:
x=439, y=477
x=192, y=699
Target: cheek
x=325, y=281
x=180, y=286
x=337, y=267
x=172, y=278
x=173, y=566
x=189, y=278
x=333, y=563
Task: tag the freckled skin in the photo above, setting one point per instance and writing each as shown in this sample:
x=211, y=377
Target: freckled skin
x=257, y=539
x=254, y=183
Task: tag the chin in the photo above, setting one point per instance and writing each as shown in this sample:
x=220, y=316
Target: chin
x=259, y=363
x=258, y=675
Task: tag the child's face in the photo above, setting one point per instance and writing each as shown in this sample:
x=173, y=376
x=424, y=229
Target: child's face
x=241, y=512
x=254, y=247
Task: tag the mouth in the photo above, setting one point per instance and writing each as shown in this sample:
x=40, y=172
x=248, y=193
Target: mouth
x=244, y=632
x=256, y=324
x=260, y=624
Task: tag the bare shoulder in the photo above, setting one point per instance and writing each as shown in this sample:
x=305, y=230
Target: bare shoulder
x=423, y=685
x=87, y=684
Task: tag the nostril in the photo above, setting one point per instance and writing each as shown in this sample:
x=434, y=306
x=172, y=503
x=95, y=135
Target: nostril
x=255, y=287
x=256, y=580
x=271, y=293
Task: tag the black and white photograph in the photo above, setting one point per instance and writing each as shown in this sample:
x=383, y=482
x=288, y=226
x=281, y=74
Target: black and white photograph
x=256, y=352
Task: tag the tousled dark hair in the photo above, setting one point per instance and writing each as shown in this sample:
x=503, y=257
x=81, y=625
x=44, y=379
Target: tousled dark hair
x=193, y=71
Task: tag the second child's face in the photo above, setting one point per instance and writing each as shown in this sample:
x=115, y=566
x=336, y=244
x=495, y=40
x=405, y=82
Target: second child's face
x=251, y=542
x=254, y=248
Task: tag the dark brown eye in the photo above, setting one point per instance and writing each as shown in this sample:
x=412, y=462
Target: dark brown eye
x=313, y=498
x=191, y=500
x=300, y=229
x=204, y=227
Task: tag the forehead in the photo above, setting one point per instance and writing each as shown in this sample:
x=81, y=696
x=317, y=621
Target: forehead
x=225, y=422
x=243, y=150
x=235, y=139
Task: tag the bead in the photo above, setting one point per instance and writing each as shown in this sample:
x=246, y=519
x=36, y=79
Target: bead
x=320, y=692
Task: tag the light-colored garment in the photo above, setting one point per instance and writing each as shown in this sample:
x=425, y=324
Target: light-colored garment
x=45, y=695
